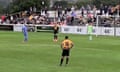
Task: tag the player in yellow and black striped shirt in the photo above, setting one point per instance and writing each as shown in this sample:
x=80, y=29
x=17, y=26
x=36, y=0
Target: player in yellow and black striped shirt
x=56, y=29
x=66, y=45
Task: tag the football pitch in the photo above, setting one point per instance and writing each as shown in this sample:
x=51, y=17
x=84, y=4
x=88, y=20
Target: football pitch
x=41, y=54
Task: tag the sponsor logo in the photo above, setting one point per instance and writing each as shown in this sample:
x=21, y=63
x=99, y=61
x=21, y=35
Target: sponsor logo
x=66, y=29
x=79, y=30
x=106, y=31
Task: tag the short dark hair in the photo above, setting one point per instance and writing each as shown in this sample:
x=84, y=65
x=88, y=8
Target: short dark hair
x=66, y=37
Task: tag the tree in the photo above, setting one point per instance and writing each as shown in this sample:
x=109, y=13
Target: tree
x=82, y=3
x=106, y=2
x=21, y=5
x=62, y=4
x=1, y=9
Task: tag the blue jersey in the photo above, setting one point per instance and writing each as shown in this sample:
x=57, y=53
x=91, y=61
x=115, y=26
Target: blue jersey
x=24, y=30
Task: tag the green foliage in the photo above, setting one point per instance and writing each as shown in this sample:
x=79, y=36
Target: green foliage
x=82, y=3
x=110, y=2
x=1, y=9
x=106, y=2
x=97, y=2
x=21, y=5
x=60, y=3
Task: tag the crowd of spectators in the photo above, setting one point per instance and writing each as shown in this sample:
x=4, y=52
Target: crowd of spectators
x=68, y=16
x=24, y=17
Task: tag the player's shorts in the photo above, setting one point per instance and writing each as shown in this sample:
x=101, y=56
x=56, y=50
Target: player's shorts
x=65, y=52
x=25, y=34
x=89, y=33
x=55, y=32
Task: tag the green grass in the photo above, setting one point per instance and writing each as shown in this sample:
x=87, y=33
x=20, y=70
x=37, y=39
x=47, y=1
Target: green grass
x=41, y=54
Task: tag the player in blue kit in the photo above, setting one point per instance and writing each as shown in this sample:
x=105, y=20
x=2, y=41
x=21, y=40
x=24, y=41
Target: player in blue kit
x=25, y=32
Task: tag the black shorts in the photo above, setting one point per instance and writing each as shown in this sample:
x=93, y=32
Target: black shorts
x=55, y=31
x=65, y=52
